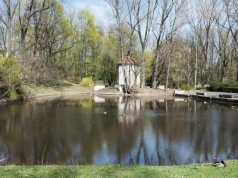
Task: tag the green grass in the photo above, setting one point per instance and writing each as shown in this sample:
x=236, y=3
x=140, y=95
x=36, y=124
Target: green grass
x=65, y=87
x=197, y=170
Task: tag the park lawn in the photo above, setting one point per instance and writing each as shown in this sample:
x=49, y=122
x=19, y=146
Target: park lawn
x=57, y=171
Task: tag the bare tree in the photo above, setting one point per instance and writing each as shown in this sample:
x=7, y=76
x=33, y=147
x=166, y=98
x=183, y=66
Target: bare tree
x=223, y=47
x=131, y=21
x=32, y=10
x=167, y=14
x=7, y=14
x=118, y=16
x=33, y=17
x=201, y=21
x=231, y=10
x=143, y=11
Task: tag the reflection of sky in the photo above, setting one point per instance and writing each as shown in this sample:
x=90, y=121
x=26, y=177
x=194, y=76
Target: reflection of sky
x=182, y=151
x=149, y=148
x=103, y=156
x=157, y=136
x=169, y=150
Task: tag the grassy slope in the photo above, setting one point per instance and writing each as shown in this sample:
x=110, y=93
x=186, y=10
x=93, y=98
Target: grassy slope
x=198, y=170
x=64, y=87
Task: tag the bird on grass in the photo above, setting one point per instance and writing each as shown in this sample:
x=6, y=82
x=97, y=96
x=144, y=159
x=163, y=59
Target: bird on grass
x=219, y=164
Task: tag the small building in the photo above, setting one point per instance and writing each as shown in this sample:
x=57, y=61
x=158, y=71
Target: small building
x=128, y=73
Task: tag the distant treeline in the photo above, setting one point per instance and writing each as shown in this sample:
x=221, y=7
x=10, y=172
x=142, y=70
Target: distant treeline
x=176, y=43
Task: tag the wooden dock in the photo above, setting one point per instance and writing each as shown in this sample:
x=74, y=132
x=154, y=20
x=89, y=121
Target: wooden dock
x=210, y=96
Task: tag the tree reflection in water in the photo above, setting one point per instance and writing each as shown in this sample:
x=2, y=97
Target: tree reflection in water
x=86, y=130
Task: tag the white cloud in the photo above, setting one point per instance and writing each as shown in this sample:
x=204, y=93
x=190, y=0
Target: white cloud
x=96, y=7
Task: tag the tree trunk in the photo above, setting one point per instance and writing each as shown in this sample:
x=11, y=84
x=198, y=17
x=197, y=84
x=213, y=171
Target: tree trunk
x=9, y=38
x=167, y=76
x=143, y=69
x=237, y=72
x=155, y=75
x=196, y=68
x=222, y=73
x=121, y=46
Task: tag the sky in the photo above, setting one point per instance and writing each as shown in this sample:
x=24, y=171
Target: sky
x=98, y=7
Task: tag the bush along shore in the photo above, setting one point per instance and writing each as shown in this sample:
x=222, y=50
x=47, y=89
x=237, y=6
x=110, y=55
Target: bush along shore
x=224, y=87
x=52, y=171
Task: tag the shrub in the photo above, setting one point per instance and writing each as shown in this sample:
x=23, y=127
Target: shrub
x=9, y=71
x=223, y=87
x=186, y=87
x=13, y=94
x=10, y=77
x=87, y=82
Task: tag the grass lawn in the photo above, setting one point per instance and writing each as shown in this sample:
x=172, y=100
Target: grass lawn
x=197, y=170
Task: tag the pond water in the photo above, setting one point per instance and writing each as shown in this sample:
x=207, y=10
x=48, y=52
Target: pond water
x=79, y=130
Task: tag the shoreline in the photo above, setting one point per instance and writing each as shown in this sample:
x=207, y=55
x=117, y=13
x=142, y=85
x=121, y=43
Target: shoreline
x=35, y=92
x=26, y=98
x=212, y=97
x=85, y=91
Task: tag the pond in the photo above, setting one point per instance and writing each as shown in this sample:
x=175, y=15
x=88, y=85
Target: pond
x=97, y=130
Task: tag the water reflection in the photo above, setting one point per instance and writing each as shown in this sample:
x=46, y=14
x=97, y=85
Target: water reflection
x=86, y=130
x=128, y=110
